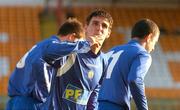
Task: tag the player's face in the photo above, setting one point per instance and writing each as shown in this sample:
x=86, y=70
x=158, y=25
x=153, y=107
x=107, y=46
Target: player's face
x=98, y=26
x=152, y=42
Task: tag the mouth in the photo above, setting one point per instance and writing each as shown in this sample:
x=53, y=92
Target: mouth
x=99, y=34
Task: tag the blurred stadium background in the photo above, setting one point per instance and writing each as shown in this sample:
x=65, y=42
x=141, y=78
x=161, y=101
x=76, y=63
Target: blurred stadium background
x=25, y=22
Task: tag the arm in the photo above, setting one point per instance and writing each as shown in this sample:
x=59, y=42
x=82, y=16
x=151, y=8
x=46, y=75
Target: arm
x=136, y=76
x=55, y=50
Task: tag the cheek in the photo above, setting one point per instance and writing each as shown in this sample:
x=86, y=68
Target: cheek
x=148, y=47
x=106, y=33
x=152, y=46
x=89, y=31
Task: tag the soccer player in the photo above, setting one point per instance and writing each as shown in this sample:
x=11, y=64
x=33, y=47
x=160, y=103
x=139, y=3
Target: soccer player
x=127, y=67
x=77, y=82
x=30, y=83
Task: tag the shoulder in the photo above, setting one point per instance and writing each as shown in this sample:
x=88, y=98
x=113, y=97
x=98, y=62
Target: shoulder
x=104, y=56
x=144, y=57
x=49, y=41
x=54, y=39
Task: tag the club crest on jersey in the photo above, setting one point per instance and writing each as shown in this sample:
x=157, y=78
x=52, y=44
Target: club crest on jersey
x=90, y=74
x=76, y=95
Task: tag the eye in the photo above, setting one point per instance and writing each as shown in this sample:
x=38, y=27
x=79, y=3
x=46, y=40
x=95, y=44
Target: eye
x=104, y=26
x=95, y=23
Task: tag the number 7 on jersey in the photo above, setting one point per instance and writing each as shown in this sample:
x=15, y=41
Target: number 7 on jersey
x=115, y=58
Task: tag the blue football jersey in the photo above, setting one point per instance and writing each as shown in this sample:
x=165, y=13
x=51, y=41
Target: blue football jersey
x=33, y=74
x=127, y=67
x=77, y=82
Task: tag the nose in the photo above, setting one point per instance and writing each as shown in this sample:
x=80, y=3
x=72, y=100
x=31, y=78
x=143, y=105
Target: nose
x=99, y=28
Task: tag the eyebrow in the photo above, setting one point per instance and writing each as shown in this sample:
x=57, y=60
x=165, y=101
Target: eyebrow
x=104, y=23
x=95, y=21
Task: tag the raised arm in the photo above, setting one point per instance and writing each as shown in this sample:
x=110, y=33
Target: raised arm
x=55, y=50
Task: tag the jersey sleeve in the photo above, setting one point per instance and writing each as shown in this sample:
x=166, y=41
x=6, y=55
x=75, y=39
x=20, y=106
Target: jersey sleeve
x=56, y=50
x=138, y=70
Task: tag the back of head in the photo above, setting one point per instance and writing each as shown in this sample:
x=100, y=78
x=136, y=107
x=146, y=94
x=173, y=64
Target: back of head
x=100, y=13
x=71, y=26
x=143, y=28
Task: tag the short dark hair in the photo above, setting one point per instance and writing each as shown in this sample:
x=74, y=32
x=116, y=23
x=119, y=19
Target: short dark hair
x=100, y=13
x=144, y=27
x=70, y=26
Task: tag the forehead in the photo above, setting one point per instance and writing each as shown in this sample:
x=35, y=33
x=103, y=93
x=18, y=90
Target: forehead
x=101, y=20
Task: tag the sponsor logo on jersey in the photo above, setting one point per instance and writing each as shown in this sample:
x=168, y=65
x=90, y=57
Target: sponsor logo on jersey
x=90, y=74
x=76, y=95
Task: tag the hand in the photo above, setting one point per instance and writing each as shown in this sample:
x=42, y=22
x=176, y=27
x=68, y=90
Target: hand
x=96, y=40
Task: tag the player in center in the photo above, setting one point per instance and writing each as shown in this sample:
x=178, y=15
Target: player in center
x=77, y=83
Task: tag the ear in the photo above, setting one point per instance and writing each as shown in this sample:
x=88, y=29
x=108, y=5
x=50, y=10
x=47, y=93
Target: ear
x=72, y=36
x=148, y=37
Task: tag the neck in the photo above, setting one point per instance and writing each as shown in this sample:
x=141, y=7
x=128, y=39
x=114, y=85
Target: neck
x=62, y=38
x=140, y=41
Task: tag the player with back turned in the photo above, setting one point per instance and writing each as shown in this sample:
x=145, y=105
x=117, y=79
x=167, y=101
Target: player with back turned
x=30, y=83
x=128, y=65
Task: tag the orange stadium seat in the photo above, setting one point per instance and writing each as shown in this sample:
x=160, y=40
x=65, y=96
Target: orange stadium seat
x=23, y=30
x=170, y=43
x=175, y=70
